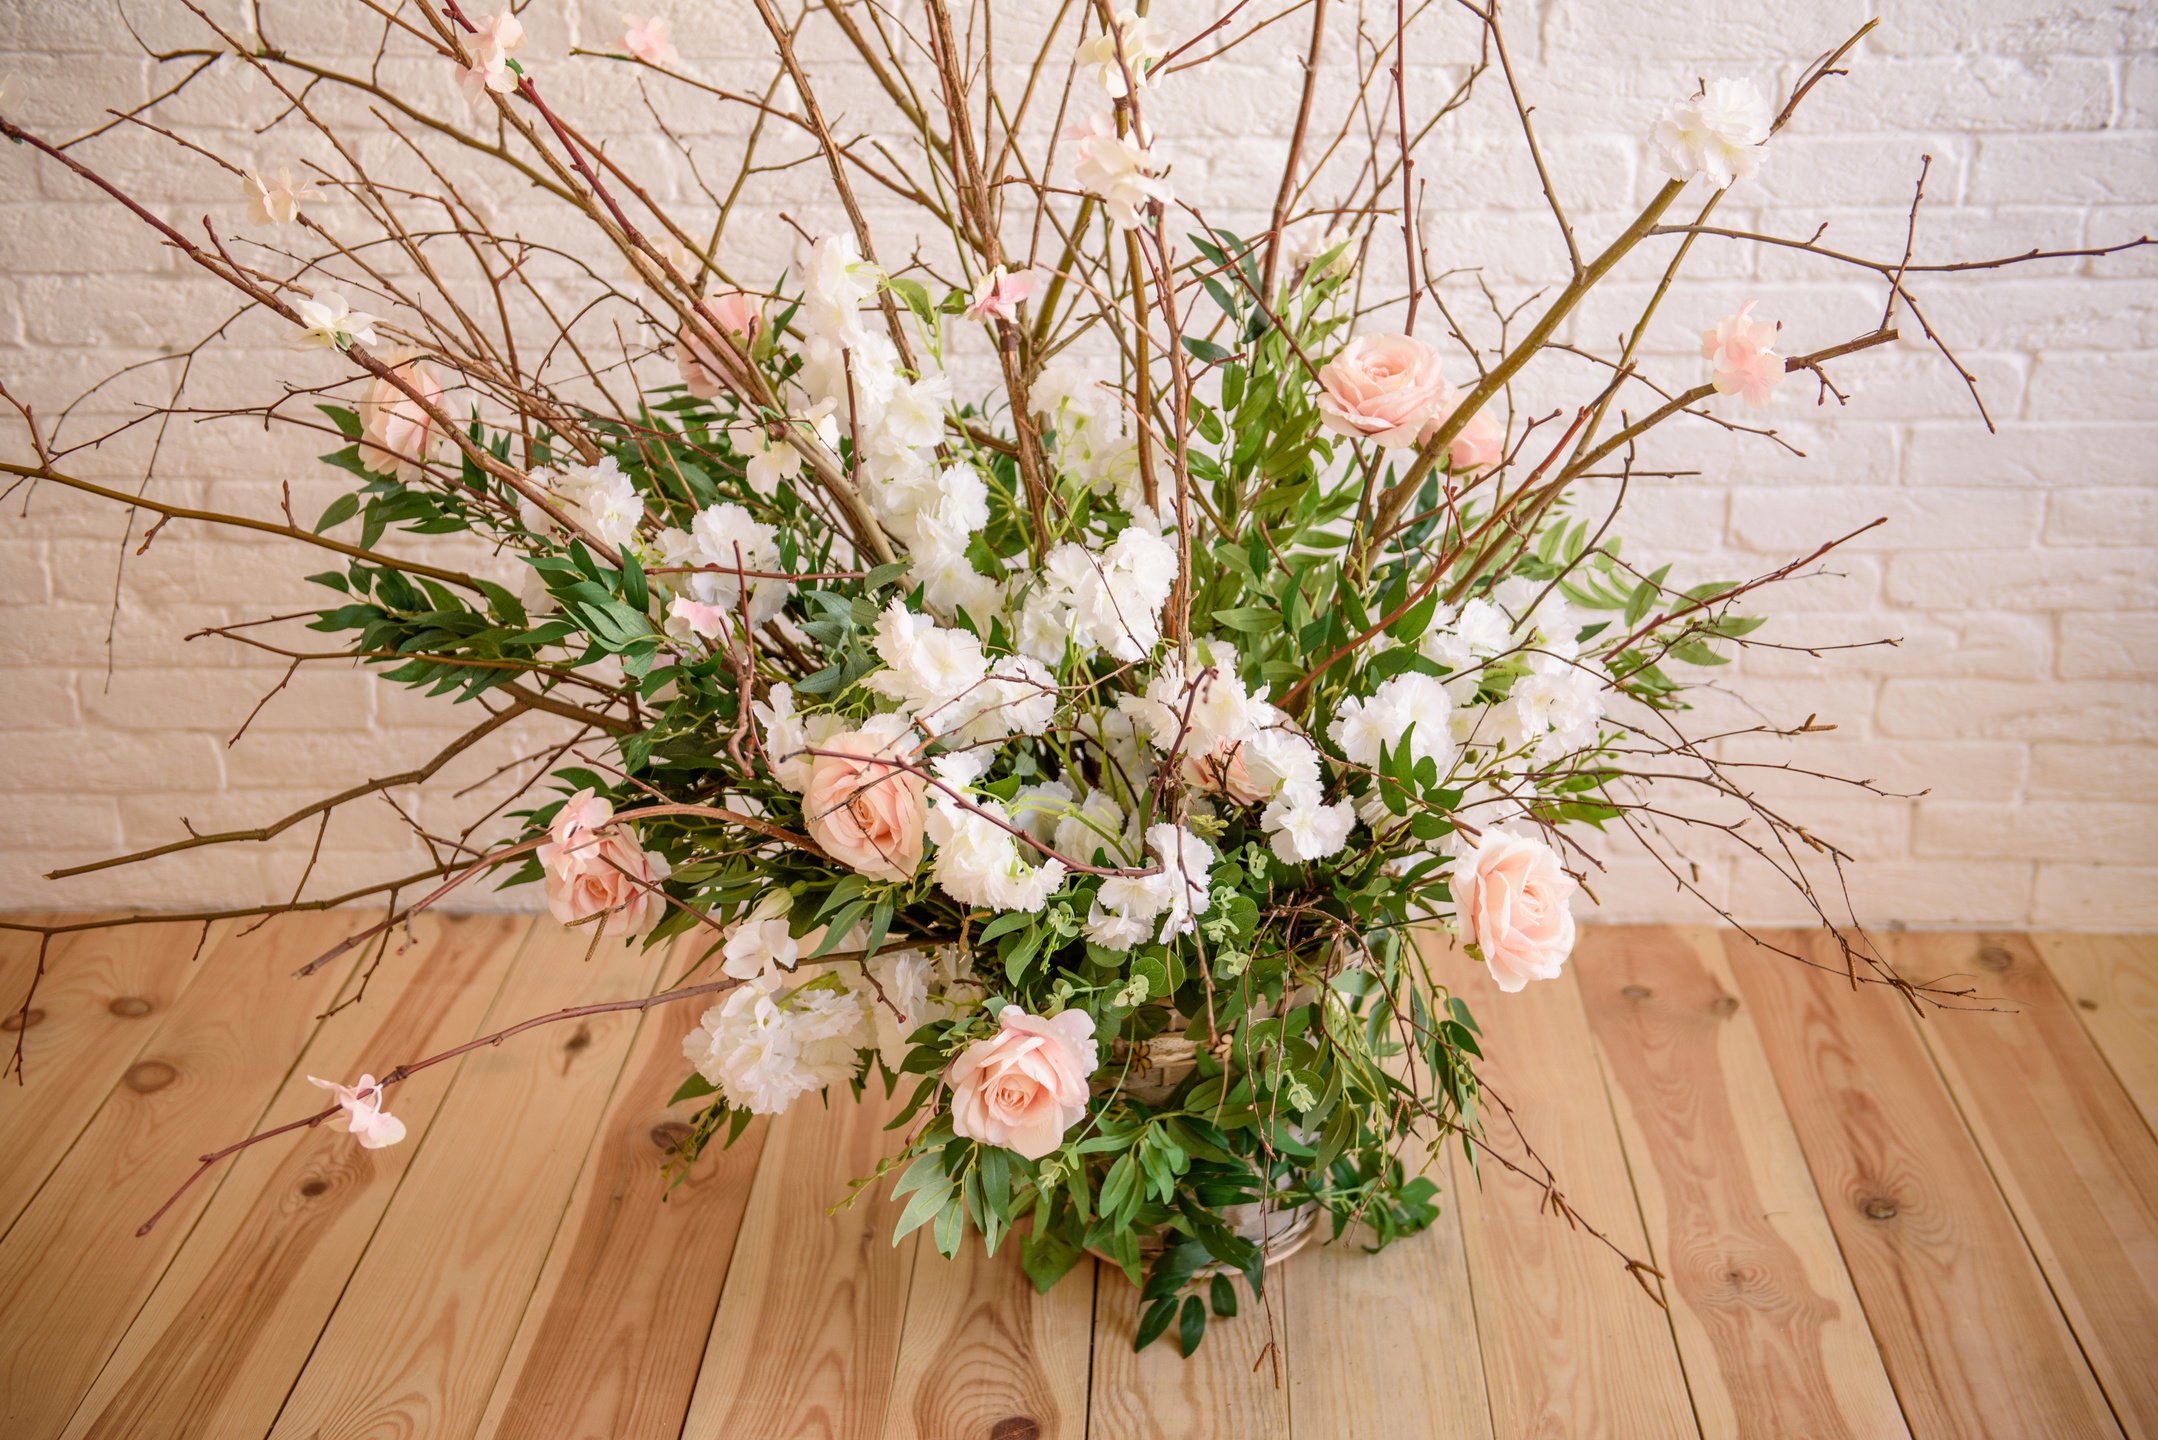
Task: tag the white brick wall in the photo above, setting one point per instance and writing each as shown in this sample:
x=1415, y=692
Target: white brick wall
x=2018, y=570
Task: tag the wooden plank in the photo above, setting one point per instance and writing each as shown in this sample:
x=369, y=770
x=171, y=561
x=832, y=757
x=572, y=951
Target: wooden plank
x=1384, y=1346
x=982, y=1355
x=1572, y=1346
x=105, y=993
x=2071, y=1152
x=1972, y=1339
x=72, y=1272
x=215, y=1349
x=1770, y=1331
x=612, y=1341
x=1231, y=1386
x=419, y=1337
x=2113, y=982
x=808, y=1326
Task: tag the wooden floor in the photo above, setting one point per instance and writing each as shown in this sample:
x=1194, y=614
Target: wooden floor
x=1870, y=1224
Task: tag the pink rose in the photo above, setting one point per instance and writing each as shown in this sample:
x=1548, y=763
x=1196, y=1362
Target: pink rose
x=1026, y=1085
x=866, y=812
x=596, y=867
x=1223, y=772
x=397, y=437
x=1511, y=896
x=735, y=312
x=1745, y=362
x=1383, y=387
x=1479, y=446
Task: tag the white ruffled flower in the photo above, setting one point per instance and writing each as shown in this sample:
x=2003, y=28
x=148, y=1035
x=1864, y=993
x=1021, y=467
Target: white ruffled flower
x=1199, y=714
x=760, y=944
x=1093, y=825
x=836, y=282
x=1362, y=727
x=1144, y=44
x=1120, y=171
x=1558, y=706
x=1719, y=133
x=788, y=735
x=978, y=861
x=765, y=1049
x=771, y=461
x=727, y=537
x=328, y=322
x=1303, y=827
x=1111, y=601
x=932, y=671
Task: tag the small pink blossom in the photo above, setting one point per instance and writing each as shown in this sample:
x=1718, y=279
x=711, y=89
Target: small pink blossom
x=706, y=622
x=490, y=72
x=275, y=202
x=502, y=34
x=365, y=1119
x=649, y=40
x=998, y=296
x=1745, y=362
x=734, y=311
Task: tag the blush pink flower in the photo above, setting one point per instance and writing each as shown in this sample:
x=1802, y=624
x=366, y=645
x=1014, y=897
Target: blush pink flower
x=1479, y=446
x=649, y=40
x=998, y=296
x=275, y=201
x=867, y=813
x=1223, y=771
x=397, y=435
x=1511, y=897
x=1743, y=356
x=1385, y=388
x=596, y=867
x=365, y=1119
x=733, y=311
x=706, y=622
x=1025, y=1086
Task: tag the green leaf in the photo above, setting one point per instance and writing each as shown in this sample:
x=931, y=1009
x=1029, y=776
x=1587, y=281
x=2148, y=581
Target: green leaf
x=1224, y=1295
x=1047, y=1259
x=1191, y=1329
x=922, y=1208
x=1206, y=350
x=690, y=1089
x=1153, y=1322
x=343, y=508
x=346, y=421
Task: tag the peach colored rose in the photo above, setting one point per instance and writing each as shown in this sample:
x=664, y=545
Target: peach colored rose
x=1223, y=772
x=1026, y=1085
x=1383, y=387
x=397, y=437
x=596, y=867
x=1511, y=898
x=1478, y=446
x=864, y=811
x=736, y=313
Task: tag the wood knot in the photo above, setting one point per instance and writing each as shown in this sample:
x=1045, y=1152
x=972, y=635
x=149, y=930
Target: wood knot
x=1723, y=1007
x=2083, y=1004
x=580, y=1040
x=669, y=1133
x=1993, y=957
x=149, y=1076
x=1636, y=992
x=1879, y=1208
x=1016, y=1427
x=22, y=1020
x=314, y=1187
x=129, y=1006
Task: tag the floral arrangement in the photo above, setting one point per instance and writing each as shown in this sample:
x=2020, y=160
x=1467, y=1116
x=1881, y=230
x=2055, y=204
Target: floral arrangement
x=1052, y=679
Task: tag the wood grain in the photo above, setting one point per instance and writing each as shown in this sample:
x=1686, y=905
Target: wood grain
x=420, y=1335
x=2071, y=1152
x=1971, y=1336
x=105, y=993
x=1233, y=1384
x=216, y=1347
x=72, y=1272
x=1385, y=1346
x=1572, y=1345
x=983, y=1356
x=808, y=1329
x=1770, y=1331
x=611, y=1343
x=2112, y=980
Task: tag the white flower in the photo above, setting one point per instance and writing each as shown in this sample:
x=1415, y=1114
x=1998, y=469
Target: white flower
x=1120, y=170
x=275, y=202
x=728, y=538
x=1019, y=695
x=1111, y=601
x=1718, y=133
x=771, y=461
x=1303, y=827
x=978, y=860
x=1186, y=862
x=1200, y=714
x=1362, y=727
x=609, y=501
x=765, y=1049
x=760, y=943
x=1094, y=825
x=913, y=416
x=836, y=281
x=326, y=320
x=1144, y=44
x=788, y=736
x=931, y=671
x=1309, y=239
x=1276, y=757
x=365, y=1119
x=1558, y=705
